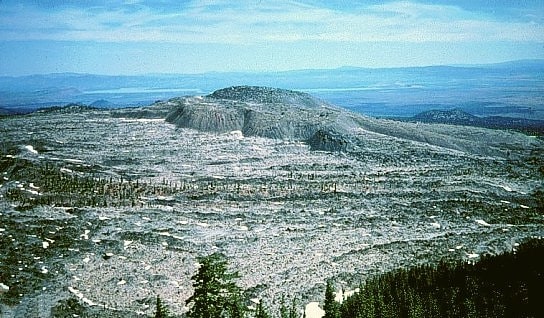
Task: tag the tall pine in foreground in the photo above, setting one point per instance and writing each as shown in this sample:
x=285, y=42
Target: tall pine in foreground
x=215, y=292
x=161, y=311
x=331, y=306
x=284, y=312
x=261, y=311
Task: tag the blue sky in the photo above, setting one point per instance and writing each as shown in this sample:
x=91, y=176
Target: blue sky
x=167, y=36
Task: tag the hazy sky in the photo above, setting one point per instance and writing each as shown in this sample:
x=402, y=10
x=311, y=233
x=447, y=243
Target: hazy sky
x=170, y=36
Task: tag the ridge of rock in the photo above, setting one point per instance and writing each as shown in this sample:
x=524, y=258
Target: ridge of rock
x=263, y=112
x=266, y=95
x=288, y=115
x=446, y=116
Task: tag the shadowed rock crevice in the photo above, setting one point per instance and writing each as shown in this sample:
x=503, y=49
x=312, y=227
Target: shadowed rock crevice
x=329, y=141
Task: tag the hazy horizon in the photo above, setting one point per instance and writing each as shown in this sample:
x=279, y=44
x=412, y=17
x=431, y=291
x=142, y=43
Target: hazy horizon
x=140, y=37
x=266, y=72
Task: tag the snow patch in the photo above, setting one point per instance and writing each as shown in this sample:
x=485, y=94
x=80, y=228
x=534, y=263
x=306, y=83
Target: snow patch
x=31, y=149
x=506, y=188
x=243, y=228
x=472, y=255
x=483, y=223
x=340, y=296
x=313, y=310
x=80, y=295
x=236, y=135
x=85, y=235
x=74, y=160
x=3, y=288
x=435, y=225
x=126, y=243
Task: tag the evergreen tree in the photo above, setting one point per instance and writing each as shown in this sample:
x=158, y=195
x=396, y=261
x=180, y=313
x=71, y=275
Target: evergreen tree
x=284, y=312
x=215, y=292
x=236, y=308
x=293, y=311
x=331, y=307
x=261, y=311
x=161, y=311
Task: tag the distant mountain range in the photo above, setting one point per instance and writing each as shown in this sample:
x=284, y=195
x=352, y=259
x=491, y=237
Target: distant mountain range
x=459, y=117
x=504, y=89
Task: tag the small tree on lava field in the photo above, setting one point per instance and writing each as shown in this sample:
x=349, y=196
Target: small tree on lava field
x=216, y=295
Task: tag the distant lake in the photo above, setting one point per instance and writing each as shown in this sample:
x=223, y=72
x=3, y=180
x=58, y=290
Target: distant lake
x=145, y=90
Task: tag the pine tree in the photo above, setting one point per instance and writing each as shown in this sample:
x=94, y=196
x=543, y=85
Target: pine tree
x=331, y=307
x=293, y=311
x=284, y=312
x=261, y=311
x=236, y=308
x=215, y=292
x=161, y=311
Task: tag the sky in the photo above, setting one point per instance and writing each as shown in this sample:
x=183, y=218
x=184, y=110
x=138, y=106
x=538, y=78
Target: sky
x=127, y=37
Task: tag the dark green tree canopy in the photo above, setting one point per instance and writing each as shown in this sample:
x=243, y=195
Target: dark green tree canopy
x=161, y=310
x=331, y=306
x=216, y=294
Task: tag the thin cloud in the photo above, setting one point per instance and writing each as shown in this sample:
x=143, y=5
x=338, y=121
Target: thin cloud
x=253, y=21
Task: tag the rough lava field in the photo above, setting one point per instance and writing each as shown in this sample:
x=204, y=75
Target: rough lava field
x=112, y=207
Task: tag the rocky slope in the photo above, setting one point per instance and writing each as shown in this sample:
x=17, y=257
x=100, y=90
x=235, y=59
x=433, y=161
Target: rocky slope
x=102, y=210
x=265, y=112
x=289, y=115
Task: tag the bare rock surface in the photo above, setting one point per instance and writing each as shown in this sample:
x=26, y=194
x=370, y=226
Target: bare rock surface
x=104, y=210
x=260, y=111
x=284, y=114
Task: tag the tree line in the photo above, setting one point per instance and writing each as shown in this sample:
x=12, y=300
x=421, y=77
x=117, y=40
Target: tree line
x=506, y=285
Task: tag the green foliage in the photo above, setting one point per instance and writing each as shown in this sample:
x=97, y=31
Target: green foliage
x=161, y=311
x=80, y=188
x=68, y=308
x=293, y=311
x=262, y=311
x=508, y=285
x=284, y=311
x=215, y=292
x=331, y=306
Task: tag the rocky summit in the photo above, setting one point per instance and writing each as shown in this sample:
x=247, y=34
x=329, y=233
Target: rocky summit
x=290, y=115
x=266, y=112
